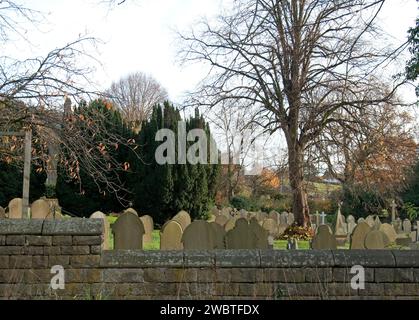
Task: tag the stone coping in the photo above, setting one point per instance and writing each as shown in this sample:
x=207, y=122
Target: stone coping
x=74, y=226
x=259, y=258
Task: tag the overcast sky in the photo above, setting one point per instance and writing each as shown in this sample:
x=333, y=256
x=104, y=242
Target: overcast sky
x=138, y=35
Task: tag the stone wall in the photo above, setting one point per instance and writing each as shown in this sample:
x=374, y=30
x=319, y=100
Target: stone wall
x=29, y=248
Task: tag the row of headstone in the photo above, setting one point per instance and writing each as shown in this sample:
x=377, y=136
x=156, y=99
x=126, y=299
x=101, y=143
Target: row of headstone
x=172, y=231
x=40, y=209
x=274, y=222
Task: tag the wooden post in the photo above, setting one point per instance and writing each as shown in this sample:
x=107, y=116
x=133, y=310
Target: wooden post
x=26, y=175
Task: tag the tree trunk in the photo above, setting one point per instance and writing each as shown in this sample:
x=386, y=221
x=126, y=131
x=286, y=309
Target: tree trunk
x=296, y=175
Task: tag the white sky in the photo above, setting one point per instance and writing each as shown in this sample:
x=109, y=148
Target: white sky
x=138, y=35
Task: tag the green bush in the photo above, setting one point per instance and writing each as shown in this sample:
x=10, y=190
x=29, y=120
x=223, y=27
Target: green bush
x=240, y=202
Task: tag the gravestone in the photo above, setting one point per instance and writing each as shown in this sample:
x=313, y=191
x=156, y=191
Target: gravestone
x=183, y=218
x=148, y=228
x=215, y=212
x=15, y=208
x=199, y=235
x=40, y=209
x=221, y=220
x=247, y=235
x=397, y=224
x=377, y=223
x=106, y=228
x=389, y=231
x=2, y=213
x=358, y=235
x=219, y=241
x=274, y=215
x=350, y=220
x=171, y=236
x=360, y=220
x=376, y=240
x=341, y=228
x=281, y=229
x=271, y=226
x=290, y=218
x=283, y=218
x=226, y=212
x=260, y=234
x=323, y=219
x=324, y=239
x=128, y=231
x=230, y=224
x=407, y=226
x=131, y=210
x=242, y=213
x=370, y=220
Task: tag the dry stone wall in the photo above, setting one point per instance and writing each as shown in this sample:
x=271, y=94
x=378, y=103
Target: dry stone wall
x=29, y=248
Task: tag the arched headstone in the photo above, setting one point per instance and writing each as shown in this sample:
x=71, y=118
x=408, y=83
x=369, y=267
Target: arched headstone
x=131, y=210
x=106, y=228
x=375, y=240
x=15, y=208
x=358, y=235
x=128, y=231
x=148, y=228
x=40, y=209
x=324, y=239
x=271, y=226
x=221, y=220
x=199, y=235
x=389, y=231
x=183, y=218
x=219, y=241
x=171, y=236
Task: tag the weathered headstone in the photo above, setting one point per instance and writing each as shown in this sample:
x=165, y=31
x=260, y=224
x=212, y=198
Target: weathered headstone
x=389, y=231
x=230, y=224
x=221, y=220
x=375, y=240
x=324, y=239
x=199, y=235
x=2, y=213
x=377, y=223
x=358, y=235
x=407, y=226
x=397, y=224
x=15, y=208
x=271, y=226
x=215, y=212
x=360, y=220
x=219, y=240
x=40, y=210
x=131, y=210
x=323, y=218
x=290, y=218
x=283, y=218
x=148, y=228
x=281, y=229
x=341, y=229
x=370, y=221
x=128, y=231
x=106, y=228
x=171, y=236
x=183, y=218
x=274, y=215
x=260, y=234
x=393, y=210
x=350, y=220
x=247, y=235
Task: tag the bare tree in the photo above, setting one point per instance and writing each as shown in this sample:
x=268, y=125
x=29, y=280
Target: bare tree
x=297, y=60
x=32, y=95
x=136, y=95
x=373, y=146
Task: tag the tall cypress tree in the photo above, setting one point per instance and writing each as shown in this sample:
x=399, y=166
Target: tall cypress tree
x=163, y=190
